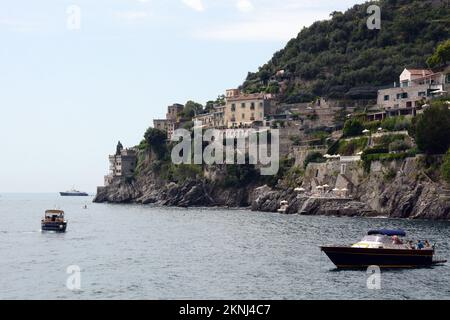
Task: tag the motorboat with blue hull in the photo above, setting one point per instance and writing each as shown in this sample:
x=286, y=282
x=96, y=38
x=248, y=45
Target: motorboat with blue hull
x=383, y=248
x=54, y=221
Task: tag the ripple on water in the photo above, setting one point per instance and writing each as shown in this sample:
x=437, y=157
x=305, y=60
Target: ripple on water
x=147, y=252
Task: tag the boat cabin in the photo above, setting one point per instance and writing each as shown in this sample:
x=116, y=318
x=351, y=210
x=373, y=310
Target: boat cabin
x=378, y=239
x=54, y=216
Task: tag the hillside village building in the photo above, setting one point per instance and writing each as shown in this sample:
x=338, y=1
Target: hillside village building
x=245, y=110
x=415, y=87
x=161, y=124
x=240, y=111
x=219, y=117
x=172, y=121
x=207, y=120
x=122, y=164
x=174, y=112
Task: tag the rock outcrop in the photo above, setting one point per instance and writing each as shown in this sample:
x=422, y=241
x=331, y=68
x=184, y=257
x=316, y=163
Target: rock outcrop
x=397, y=189
x=187, y=194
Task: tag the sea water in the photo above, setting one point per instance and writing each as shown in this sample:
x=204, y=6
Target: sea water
x=144, y=252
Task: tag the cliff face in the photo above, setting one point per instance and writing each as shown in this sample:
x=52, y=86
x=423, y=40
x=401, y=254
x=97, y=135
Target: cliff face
x=148, y=189
x=397, y=189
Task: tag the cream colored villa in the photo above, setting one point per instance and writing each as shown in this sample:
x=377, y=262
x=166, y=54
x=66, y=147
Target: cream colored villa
x=244, y=110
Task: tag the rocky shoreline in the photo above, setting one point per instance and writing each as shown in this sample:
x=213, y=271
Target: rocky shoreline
x=409, y=194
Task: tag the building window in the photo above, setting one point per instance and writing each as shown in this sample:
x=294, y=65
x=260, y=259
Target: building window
x=252, y=106
x=260, y=104
x=403, y=95
x=243, y=105
x=233, y=107
x=422, y=94
x=243, y=116
x=386, y=98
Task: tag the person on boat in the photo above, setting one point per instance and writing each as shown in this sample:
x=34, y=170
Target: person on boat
x=427, y=244
x=396, y=240
x=411, y=244
x=420, y=245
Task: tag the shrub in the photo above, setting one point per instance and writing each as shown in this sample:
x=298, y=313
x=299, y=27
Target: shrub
x=385, y=140
x=314, y=157
x=349, y=148
x=156, y=141
x=353, y=128
x=367, y=158
x=186, y=172
x=390, y=175
x=399, y=145
x=445, y=168
x=433, y=129
x=396, y=123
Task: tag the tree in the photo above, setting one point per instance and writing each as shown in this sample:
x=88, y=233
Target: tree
x=432, y=129
x=353, y=128
x=314, y=157
x=191, y=109
x=157, y=141
x=441, y=56
x=445, y=169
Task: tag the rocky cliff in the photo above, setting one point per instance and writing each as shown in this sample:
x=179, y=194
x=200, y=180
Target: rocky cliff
x=398, y=189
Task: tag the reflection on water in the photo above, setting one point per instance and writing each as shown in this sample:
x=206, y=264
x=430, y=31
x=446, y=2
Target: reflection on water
x=140, y=252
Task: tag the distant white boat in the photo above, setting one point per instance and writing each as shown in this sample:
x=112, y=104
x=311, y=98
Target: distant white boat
x=73, y=193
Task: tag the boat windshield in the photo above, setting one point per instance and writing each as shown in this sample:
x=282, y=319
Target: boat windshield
x=376, y=238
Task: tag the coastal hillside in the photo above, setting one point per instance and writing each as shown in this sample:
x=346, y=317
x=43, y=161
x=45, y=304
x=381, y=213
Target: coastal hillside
x=342, y=58
x=340, y=153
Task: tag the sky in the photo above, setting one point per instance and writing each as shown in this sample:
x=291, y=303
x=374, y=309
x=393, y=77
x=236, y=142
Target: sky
x=77, y=76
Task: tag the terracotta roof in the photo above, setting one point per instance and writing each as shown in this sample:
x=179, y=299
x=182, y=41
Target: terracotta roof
x=420, y=72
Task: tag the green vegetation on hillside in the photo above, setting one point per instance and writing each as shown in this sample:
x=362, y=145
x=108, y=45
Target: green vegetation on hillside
x=441, y=56
x=341, y=57
x=156, y=141
x=446, y=167
x=432, y=129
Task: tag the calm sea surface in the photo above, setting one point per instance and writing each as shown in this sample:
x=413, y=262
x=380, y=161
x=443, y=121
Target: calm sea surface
x=140, y=252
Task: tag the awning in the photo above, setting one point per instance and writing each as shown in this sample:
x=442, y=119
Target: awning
x=386, y=232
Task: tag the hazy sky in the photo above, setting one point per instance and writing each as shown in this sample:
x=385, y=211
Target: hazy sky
x=67, y=96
